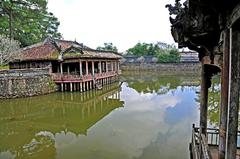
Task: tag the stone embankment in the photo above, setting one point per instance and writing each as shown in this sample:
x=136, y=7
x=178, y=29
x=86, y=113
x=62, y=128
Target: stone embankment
x=190, y=67
x=25, y=83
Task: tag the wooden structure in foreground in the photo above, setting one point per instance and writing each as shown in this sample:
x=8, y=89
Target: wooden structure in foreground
x=212, y=28
x=73, y=66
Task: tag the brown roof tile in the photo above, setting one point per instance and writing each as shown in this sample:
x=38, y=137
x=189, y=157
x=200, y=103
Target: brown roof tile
x=43, y=52
x=51, y=49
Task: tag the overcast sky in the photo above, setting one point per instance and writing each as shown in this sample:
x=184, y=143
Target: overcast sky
x=122, y=22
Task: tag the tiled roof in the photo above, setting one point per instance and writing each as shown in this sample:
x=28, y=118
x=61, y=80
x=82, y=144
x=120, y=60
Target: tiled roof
x=45, y=51
x=93, y=54
x=58, y=49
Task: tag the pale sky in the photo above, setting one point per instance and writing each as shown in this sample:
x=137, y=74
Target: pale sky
x=122, y=22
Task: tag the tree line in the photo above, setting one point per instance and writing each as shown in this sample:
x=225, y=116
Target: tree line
x=163, y=51
x=27, y=21
x=23, y=23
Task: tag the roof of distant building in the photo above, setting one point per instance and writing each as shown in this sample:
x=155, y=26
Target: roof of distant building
x=55, y=49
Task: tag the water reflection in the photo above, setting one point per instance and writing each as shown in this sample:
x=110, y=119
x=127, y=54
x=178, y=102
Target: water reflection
x=29, y=127
x=149, y=117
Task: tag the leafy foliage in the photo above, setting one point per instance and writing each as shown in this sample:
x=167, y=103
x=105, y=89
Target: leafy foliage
x=164, y=52
x=27, y=21
x=8, y=49
x=108, y=47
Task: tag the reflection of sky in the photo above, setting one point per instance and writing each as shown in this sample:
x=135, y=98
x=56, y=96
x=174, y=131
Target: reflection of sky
x=148, y=126
x=181, y=110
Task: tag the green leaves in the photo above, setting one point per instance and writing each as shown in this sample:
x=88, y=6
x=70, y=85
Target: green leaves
x=30, y=22
x=164, y=52
x=108, y=47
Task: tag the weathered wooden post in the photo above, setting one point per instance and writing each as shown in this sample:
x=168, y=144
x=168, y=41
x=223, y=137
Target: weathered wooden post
x=86, y=67
x=118, y=67
x=80, y=68
x=203, y=101
x=100, y=67
x=91, y=85
x=87, y=87
x=233, y=97
x=71, y=87
x=111, y=66
x=106, y=66
x=68, y=70
x=93, y=68
x=81, y=87
x=224, y=96
x=61, y=71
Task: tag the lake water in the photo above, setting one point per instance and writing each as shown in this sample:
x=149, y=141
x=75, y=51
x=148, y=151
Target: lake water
x=147, y=116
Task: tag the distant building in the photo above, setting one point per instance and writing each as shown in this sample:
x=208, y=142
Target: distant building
x=72, y=65
x=189, y=56
x=185, y=57
x=132, y=59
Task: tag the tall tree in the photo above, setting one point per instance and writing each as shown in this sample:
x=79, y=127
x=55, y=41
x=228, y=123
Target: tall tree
x=27, y=21
x=108, y=47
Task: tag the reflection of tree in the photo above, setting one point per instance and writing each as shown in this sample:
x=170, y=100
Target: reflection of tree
x=160, y=84
x=214, y=102
x=23, y=121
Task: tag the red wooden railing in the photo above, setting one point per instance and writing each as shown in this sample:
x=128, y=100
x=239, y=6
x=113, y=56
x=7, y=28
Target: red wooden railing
x=57, y=77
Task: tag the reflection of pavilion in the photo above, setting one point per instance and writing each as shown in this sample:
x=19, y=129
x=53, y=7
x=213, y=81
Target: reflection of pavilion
x=22, y=119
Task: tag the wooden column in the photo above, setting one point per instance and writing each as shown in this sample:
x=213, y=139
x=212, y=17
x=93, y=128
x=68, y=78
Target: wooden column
x=106, y=66
x=93, y=68
x=61, y=68
x=68, y=70
x=84, y=88
x=233, y=93
x=86, y=67
x=80, y=67
x=71, y=87
x=61, y=72
x=118, y=67
x=87, y=88
x=111, y=66
x=103, y=66
x=81, y=87
x=203, y=101
x=62, y=87
x=224, y=96
x=100, y=67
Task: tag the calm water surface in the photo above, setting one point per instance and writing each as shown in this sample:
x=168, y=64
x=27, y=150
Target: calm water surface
x=147, y=117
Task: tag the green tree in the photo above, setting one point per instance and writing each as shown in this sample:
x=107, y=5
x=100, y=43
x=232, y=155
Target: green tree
x=164, y=52
x=108, y=47
x=27, y=21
